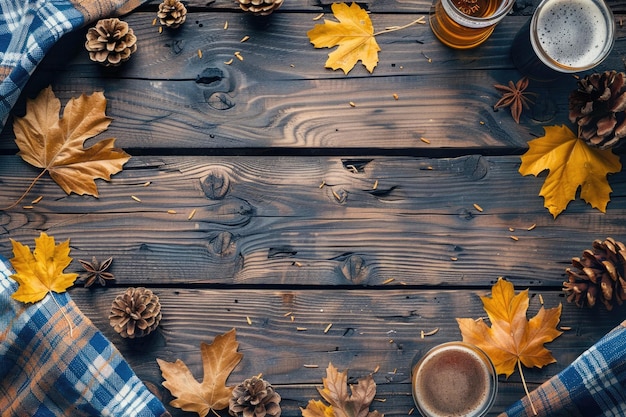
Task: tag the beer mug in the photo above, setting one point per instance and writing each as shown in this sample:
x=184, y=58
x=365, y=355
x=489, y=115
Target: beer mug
x=464, y=24
x=454, y=379
x=564, y=36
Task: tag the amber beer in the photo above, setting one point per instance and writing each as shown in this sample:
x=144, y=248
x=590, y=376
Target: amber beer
x=454, y=379
x=464, y=24
x=564, y=36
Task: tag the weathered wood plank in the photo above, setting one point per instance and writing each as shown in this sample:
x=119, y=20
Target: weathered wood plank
x=313, y=221
x=370, y=329
x=524, y=7
x=291, y=101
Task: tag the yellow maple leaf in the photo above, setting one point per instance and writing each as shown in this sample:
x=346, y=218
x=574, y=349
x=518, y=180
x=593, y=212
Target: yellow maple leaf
x=56, y=144
x=572, y=164
x=41, y=271
x=218, y=360
x=354, y=34
x=512, y=338
x=317, y=408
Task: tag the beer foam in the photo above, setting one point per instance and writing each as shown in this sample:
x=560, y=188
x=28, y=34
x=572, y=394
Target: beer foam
x=453, y=382
x=572, y=32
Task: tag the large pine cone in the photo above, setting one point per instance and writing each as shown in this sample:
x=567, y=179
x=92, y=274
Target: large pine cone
x=260, y=7
x=598, y=106
x=254, y=398
x=172, y=13
x=135, y=313
x=600, y=274
x=110, y=42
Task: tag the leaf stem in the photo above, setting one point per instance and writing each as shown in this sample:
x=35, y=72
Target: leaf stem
x=395, y=28
x=63, y=313
x=530, y=400
x=30, y=187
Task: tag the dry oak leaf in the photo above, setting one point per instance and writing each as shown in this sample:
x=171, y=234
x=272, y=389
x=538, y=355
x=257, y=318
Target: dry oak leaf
x=218, y=360
x=342, y=403
x=354, y=34
x=512, y=339
x=572, y=164
x=41, y=271
x=56, y=144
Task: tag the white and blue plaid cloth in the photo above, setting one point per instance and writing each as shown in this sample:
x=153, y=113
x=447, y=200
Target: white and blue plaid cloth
x=593, y=385
x=46, y=370
x=29, y=28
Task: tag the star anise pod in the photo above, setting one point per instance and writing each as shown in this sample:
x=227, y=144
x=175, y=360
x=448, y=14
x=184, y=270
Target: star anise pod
x=96, y=271
x=514, y=96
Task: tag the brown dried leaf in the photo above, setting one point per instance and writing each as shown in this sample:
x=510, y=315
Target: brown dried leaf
x=56, y=144
x=218, y=359
x=341, y=402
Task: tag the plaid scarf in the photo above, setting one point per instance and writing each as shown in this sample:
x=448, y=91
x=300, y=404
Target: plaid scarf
x=593, y=385
x=46, y=371
x=29, y=28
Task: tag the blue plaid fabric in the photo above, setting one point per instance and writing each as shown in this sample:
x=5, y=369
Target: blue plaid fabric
x=593, y=385
x=46, y=370
x=29, y=28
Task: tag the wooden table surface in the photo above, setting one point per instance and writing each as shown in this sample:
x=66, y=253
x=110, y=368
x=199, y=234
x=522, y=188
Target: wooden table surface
x=281, y=171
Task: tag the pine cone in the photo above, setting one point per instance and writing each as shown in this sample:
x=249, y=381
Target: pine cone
x=135, y=313
x=598, y=106
x=600, y=275
x=110, y=42
x=260, y=7
x=254, y=398
x=172, y=13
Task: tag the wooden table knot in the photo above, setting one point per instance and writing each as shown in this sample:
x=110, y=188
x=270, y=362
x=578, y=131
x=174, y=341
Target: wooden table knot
x=215, y=184
x=223, y=244
x=355, y=270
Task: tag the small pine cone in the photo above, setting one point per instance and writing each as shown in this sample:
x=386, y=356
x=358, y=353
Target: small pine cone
x=260, y=7
x=599, y=108
x=172, y=13
x=254, y=398
x=599, y=275
x=110, y=42
x=135, y=313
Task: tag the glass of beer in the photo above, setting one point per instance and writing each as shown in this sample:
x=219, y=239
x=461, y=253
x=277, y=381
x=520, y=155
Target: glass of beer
x=454, y=379
x=564, y=36
x=464, y=24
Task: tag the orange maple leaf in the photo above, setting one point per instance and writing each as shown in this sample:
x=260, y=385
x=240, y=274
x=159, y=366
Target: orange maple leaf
x=41, y=271
x=218, y=359
x=342, y=403
x=573, y=164
x=512, y=339
x=56, y=144
x=354, y=34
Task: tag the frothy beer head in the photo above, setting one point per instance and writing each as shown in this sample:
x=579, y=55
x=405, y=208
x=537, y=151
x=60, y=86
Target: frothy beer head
x=572, y=35
x=454, y=380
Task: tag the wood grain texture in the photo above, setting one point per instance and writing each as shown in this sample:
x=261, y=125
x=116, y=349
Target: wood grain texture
x=370, y=329
x=262, y=194
x=521, y=7
x=168, y=97
x=314, y=221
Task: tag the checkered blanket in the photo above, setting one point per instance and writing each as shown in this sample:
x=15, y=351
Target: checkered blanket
x=29, y=28
x=46, y=371
x=593, y=385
